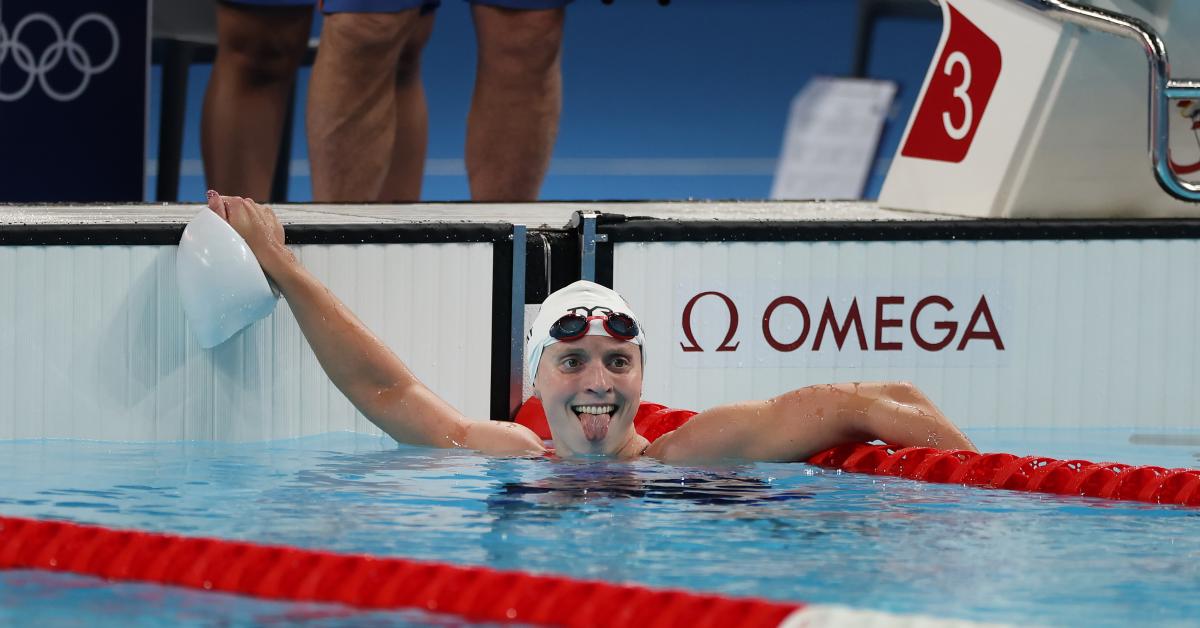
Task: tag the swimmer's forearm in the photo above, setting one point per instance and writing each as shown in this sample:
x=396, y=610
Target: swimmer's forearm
x=373, y=378
x=797, y=424
x=350, y=353
x=898, y=414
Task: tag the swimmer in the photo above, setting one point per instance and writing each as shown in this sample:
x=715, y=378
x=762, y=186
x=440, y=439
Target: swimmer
x=586, y=354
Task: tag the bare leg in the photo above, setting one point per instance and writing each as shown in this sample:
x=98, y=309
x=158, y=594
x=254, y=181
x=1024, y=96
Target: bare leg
x=352, y=103
x=258, y=52
x=403, y=181
x=518, y=96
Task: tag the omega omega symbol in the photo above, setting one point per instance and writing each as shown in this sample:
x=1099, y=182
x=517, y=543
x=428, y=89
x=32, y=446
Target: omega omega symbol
x=958, y=94
x=850, y=330
x=37, y=67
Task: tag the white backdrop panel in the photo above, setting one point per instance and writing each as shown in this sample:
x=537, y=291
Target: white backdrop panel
x=1076, y=334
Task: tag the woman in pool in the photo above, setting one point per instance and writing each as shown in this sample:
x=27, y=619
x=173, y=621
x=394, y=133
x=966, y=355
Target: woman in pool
x=585, y=356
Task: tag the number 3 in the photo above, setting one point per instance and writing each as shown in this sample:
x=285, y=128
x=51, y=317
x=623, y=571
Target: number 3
x=960, y=92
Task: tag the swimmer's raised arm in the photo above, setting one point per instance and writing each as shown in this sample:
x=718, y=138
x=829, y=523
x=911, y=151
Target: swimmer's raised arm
x=803, y=422
x=371, y=376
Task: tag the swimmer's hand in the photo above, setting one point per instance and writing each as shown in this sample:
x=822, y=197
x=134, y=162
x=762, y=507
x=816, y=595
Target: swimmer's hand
x=258, y=226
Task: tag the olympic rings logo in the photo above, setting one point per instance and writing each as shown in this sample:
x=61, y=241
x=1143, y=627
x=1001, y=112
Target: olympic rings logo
x=37, y=68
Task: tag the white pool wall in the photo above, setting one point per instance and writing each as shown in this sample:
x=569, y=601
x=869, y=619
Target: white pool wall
x=94, y=343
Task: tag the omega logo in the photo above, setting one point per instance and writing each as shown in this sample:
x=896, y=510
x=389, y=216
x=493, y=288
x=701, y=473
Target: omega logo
x=850, y=331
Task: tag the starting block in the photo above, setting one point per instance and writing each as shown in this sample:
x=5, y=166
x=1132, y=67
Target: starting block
x=1047, y=108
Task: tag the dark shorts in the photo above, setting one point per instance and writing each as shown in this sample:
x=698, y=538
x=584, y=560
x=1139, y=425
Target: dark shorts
x=273, y=3
x=395, y=6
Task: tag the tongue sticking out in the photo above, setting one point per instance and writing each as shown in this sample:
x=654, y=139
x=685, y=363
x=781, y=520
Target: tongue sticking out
x=595, y=426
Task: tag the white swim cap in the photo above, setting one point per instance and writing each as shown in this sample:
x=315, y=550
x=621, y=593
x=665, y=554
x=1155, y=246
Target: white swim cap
x=586, y=297
x=222, y=287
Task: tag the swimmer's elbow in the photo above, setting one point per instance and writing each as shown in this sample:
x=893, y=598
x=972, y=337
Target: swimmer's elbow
x=664, y=451
x=530, y=443
x=501, y=438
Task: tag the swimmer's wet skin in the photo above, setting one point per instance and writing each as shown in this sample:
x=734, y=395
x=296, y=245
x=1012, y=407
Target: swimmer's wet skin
x=586, y=356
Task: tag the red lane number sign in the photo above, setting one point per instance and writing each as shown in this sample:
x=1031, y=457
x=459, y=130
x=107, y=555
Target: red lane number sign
x=958, y=94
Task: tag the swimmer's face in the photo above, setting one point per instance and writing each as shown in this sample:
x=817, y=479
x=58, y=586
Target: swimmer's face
x=590, y=389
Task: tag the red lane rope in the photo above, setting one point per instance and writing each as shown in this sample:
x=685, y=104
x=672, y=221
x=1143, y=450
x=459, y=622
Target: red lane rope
x=1109, y=480
x=287, y=573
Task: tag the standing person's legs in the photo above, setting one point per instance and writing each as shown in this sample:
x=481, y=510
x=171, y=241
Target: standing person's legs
x=352, y=101
x=258, y=52
x=403, y=182
x=518, y=96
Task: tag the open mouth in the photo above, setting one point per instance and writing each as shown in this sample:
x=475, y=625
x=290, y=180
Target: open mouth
x=595, y=419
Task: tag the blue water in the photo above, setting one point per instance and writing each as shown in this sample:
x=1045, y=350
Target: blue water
x=780, y=531
x=31, y=598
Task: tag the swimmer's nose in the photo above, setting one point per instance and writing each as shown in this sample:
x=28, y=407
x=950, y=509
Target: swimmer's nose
x=598, y=379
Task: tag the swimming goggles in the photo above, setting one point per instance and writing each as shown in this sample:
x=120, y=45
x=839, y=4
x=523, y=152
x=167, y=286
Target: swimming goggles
x=574, y=326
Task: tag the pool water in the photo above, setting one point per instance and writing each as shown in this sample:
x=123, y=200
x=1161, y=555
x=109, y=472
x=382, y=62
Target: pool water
x=781, y=531
x=51, y=600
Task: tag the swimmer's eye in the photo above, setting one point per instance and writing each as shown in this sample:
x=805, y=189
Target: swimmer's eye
x=621, y=362
x=572, y=363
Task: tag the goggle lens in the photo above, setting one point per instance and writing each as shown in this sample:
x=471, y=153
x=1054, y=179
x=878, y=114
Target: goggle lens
x=573, y=327
x=621, y=326
x=569, y=327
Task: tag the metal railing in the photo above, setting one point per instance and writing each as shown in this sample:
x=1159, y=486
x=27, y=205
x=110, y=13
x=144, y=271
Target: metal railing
x=1162, y=87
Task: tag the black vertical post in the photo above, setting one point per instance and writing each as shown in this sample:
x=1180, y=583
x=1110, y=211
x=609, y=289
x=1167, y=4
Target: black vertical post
x=502, y=284
x=283, y=161
x=177, y=58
